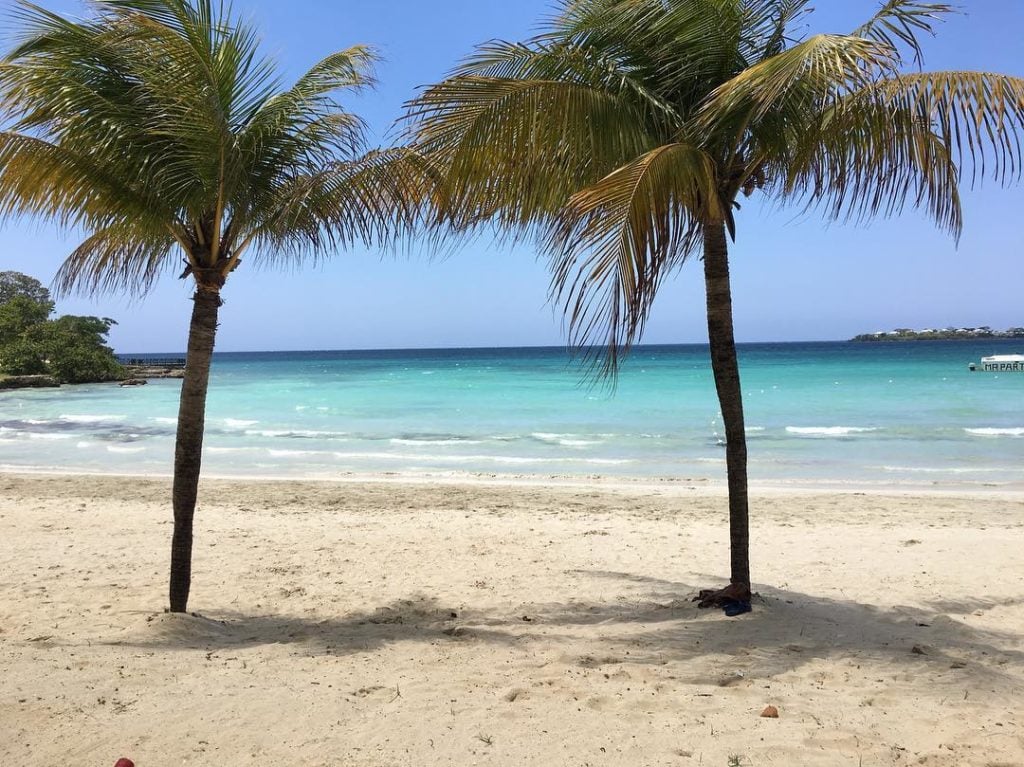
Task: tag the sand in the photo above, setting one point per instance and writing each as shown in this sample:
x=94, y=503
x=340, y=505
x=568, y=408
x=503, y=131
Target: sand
x=504, y=623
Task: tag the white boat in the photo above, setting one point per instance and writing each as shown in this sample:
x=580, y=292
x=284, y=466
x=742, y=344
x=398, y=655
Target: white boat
x=1000, y=363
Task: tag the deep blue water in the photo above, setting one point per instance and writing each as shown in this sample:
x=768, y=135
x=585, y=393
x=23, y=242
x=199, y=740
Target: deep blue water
x=906, y=412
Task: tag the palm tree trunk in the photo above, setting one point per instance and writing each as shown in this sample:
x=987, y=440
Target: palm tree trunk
x=188, y=448
x=730, y=398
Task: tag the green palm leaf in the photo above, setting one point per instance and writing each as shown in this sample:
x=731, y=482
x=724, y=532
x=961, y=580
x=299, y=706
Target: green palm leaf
x=901, y=21
x=616, y=239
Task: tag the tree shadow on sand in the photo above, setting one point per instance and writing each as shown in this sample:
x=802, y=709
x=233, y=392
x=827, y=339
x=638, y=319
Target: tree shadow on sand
x=787, y=630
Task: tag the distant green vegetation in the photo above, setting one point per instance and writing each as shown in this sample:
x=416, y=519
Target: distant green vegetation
x=940, y=334
x=72, y=349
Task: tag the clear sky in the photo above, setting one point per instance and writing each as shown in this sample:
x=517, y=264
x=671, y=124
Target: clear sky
x=793, y=277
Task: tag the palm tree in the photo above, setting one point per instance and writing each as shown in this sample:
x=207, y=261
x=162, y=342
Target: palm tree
x=158, y=128
x=624, y=134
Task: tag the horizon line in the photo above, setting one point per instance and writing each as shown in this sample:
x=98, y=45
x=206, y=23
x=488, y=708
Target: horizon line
x=545, y=347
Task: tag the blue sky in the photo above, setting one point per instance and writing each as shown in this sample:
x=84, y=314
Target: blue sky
x=794, y=278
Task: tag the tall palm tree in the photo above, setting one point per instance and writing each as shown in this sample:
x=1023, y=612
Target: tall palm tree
x=624, y=134
x=157, y=127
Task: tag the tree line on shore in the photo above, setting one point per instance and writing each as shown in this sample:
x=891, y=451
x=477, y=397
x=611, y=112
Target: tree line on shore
x=622, y=138
x=69, y=348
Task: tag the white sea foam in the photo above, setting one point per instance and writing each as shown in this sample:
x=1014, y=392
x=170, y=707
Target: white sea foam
x=91, y=418
x=296, y=433
x=499, y=459
x=296, y=453
x=563, y=440
x=1012, y=432
x=829, y=431
x=944, y=470
x=544, y=436
x=228, y=450
x=754, y=429
x=238, y=423
x=83, y=444
x=124, y=450
x=49, y=436
x=165, y=421
x=401, y=441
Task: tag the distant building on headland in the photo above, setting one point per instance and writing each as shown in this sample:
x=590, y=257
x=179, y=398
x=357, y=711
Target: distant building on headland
x=937, y=334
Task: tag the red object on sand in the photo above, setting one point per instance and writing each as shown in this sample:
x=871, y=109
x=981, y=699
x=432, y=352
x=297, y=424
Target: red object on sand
x=122, y=762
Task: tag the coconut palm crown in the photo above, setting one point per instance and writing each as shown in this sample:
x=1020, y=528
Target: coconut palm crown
x=158, y=129
x=625, y=133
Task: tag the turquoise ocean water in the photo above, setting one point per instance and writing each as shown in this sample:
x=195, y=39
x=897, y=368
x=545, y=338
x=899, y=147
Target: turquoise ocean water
x=907, y=413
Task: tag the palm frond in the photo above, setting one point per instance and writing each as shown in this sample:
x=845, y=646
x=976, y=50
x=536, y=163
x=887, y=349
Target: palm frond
x=616, y=239
x=673, y=46
x=797, y=81
x=378, y=198
x=871, y=162
x=978, y=116
x=767, y=27
x=901, y=21
x=547, y=59
x=909, y=140
x=517, y=139
x=40, y=178
x=305, y=125
x=115, y=260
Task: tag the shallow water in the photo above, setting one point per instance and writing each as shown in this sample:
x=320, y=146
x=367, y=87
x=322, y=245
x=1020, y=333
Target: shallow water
x=817, y=412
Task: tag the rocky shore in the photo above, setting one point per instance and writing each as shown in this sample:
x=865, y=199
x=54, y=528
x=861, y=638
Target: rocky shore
x=28, y=382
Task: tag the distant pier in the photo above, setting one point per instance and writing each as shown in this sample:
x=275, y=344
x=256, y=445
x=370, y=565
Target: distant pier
x=153, y=362
x=142, y=368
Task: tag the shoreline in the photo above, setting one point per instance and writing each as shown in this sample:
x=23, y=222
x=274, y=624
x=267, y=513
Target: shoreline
x=710, y=486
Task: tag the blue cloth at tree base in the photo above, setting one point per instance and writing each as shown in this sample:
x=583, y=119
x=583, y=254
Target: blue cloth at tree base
x=734, y=607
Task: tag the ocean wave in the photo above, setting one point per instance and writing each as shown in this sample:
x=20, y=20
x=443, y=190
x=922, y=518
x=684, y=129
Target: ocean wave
x=89, y=418
x=165, y=421
x=296, y=434
x=1017, y=431
x=564, y=440
x=297, y=453
x=125, y=450
x=829, y=431
x=238, y=423
x=452, y=441
x=33, y=435
x=518, y=460
x=947, y=470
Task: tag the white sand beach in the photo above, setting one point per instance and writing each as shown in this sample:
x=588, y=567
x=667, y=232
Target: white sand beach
x=390, y=623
